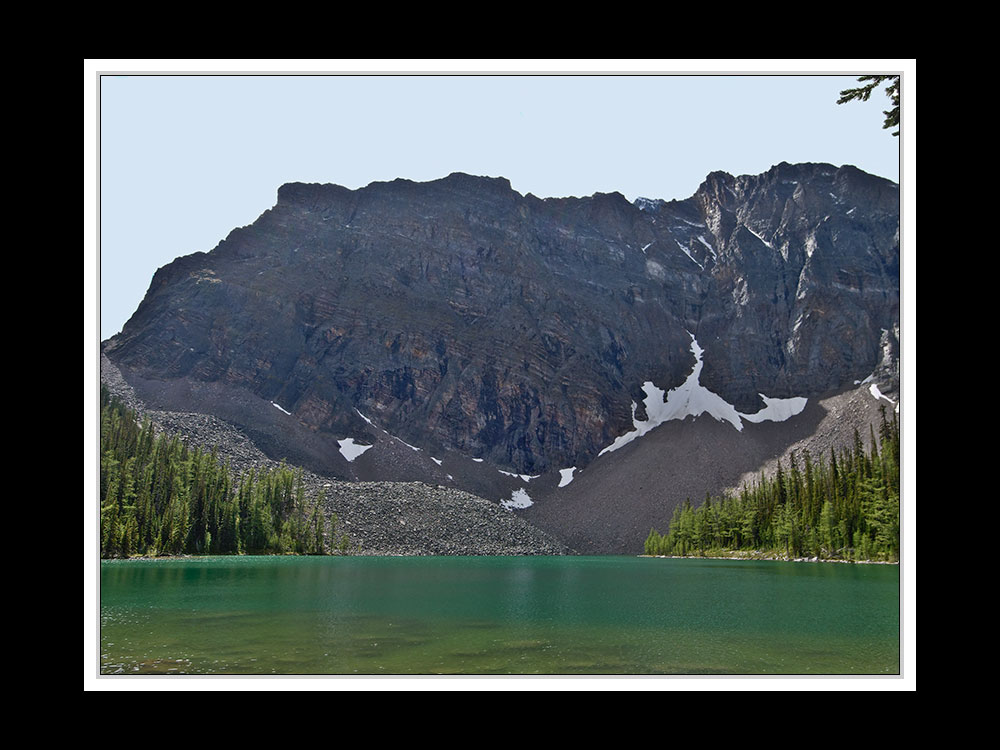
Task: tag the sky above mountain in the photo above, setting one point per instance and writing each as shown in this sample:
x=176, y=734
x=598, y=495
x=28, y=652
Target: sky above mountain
x=183, y=159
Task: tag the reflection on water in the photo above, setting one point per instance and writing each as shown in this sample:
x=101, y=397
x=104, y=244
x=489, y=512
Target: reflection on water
x=507, y=615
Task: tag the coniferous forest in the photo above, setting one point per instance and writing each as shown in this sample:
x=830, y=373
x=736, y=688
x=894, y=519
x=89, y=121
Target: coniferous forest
x=845, y=507
x=162, y=497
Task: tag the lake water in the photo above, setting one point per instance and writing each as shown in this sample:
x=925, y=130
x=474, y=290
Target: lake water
x=497, y=615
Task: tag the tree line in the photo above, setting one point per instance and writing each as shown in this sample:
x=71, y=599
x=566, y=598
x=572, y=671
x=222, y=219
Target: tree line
x=159, y=496
x=845, y=507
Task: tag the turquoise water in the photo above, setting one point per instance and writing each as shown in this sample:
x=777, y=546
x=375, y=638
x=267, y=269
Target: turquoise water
x=496, y=615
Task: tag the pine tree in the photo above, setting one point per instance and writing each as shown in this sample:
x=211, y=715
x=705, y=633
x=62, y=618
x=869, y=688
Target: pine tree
x=863, y=93
x=847, y=508
x=159, y=495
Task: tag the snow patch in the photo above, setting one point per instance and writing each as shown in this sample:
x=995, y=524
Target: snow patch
x=874, y=390
x=703, y=241
x=692, y=399
x=438, y=461
x=280, y=408
x=566, y=476
x=388, y=434
x=478, y=460
x=518, y=499
x=351, y=450
x=877, y=394
x=759, y=237
x=688, y=254
x=522, y=477
x=777, y=409
x=411, y=447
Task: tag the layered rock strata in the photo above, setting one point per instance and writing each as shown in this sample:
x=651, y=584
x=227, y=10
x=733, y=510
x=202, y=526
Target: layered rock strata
x=461, y=316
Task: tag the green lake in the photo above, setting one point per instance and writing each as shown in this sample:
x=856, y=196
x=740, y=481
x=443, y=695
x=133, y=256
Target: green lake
x=497, y=615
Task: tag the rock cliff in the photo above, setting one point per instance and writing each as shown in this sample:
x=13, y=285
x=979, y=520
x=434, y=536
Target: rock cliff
x=460, y=317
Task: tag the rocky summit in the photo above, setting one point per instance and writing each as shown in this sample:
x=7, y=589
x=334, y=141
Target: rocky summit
x=460, y=333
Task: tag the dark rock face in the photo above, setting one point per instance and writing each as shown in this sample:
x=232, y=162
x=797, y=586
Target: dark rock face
x=460, y=315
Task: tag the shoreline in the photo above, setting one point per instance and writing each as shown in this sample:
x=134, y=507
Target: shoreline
x=772, y=558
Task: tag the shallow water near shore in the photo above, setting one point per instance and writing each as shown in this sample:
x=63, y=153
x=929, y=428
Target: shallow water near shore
x=496, y=615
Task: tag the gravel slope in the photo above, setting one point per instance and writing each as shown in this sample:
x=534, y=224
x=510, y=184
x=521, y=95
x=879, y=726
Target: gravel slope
x=381, y=518
x=611, y=505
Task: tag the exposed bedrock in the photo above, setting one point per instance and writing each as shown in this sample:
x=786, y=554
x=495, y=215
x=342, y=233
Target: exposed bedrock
x=458, y=315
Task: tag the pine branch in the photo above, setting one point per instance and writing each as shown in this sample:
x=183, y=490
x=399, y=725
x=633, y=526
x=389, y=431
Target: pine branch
x=863, y=93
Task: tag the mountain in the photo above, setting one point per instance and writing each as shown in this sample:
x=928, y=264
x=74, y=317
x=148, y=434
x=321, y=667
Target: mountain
x=529, y=350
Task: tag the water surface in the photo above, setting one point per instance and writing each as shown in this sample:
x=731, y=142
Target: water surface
x=496, y=615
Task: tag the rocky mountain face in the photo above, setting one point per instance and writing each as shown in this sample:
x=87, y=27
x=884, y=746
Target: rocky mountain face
x=462, y=318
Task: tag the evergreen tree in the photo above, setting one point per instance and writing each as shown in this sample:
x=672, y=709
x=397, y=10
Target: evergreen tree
x=863, y=93
x=846, y=508
x=161, y=496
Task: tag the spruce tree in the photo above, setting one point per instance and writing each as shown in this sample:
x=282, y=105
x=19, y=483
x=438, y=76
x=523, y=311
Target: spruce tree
x=863, y=93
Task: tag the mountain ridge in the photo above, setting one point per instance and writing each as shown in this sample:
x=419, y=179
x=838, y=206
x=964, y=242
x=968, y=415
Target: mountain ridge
x=464, y=318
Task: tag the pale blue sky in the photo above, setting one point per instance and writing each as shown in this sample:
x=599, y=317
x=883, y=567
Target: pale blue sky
x=185, y=159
